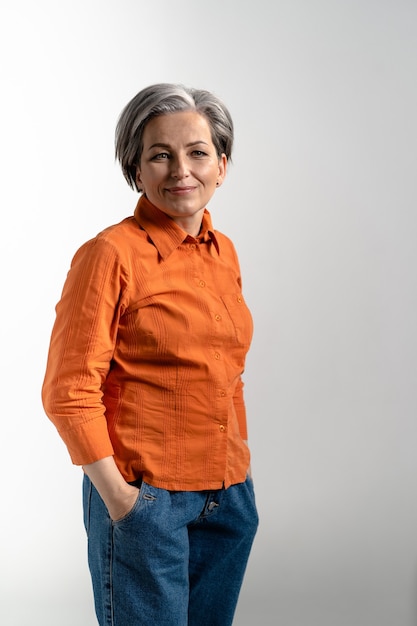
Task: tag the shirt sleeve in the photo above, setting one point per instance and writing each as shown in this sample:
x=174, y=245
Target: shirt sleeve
x=81, y=349
x=238, y=396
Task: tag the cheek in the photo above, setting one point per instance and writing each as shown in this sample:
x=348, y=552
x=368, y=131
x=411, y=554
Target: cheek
x=210, y=174
x=159, y=172
x=149, y=177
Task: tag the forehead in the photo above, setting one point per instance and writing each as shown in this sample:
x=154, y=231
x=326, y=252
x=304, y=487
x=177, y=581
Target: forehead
x=174, y=127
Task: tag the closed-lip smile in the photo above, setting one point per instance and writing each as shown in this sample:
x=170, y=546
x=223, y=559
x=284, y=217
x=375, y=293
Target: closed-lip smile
x=180, y=190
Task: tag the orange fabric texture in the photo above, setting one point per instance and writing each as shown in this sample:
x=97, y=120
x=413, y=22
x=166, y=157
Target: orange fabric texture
x=147, y=353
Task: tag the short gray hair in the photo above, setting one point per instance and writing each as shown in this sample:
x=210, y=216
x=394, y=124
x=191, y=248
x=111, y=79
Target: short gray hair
x=161, y=99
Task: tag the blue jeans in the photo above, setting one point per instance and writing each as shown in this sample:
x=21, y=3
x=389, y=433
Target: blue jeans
x=177, y=559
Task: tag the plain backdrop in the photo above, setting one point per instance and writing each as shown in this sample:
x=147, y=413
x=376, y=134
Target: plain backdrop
x=321, y=204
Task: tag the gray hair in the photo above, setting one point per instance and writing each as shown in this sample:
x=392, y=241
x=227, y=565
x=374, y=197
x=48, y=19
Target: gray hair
x=161, y=99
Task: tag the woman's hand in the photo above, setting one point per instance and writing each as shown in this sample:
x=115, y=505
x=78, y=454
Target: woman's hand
x=120, y=506
x=118, y=496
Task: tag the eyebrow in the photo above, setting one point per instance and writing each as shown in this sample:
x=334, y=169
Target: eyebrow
x=188, y=145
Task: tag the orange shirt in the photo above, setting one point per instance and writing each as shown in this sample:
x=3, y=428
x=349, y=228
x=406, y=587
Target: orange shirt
x=147, y=353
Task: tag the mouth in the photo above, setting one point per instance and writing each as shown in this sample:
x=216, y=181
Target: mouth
x=179, y=191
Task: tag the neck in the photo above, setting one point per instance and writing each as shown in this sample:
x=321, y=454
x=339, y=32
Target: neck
x=191, y=226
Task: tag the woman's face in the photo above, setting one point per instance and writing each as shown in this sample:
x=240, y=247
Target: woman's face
x=179, y=168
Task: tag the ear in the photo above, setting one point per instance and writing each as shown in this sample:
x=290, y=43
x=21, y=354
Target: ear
x=138, y=179
x=222, y=170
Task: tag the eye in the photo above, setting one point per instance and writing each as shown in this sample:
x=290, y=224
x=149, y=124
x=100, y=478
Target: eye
x=199, y=153
x=161, y=156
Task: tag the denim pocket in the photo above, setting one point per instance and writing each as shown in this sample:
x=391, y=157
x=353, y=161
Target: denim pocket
x=146, y=497
x=132, y=511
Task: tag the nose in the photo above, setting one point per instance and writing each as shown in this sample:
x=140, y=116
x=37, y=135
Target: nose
x=179, y=167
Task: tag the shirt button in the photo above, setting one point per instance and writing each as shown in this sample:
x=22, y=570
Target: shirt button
x=202, y=283
x=192, y=246
x=217, y=318
x=222, y=393
x=239, y=299
x=222, y=428
x=217, y=355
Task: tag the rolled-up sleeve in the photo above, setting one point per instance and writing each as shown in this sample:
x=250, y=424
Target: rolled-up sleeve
x=81, y=349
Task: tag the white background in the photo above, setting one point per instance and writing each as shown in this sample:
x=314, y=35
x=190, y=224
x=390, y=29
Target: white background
x=321, y=204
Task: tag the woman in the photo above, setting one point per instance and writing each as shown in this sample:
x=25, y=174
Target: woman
x=143, y=379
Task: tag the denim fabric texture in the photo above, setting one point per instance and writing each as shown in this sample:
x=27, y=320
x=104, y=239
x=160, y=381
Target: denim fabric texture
x=176, y=559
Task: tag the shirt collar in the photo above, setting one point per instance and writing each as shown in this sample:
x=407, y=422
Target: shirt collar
x=165, y=233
